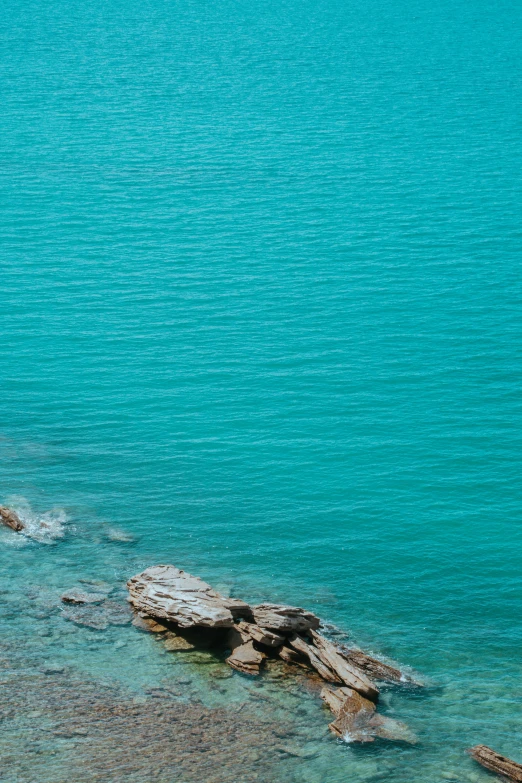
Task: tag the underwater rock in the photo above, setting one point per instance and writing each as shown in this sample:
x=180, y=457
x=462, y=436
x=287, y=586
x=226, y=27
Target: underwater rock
x=285, y=619
x=98, y=616
x=11, y=519
x=76, y=596
x=497, y=763
x=391, y=729
x=246, y=659
x=167, y=593
x=148, y=624
x=118, y=536
x=351, y=676
x=176, y=643
x=88, y=615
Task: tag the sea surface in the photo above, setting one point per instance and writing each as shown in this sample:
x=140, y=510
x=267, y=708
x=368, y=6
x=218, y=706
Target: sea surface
x=261, y=297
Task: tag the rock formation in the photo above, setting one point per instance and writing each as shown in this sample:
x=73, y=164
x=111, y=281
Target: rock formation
x=168, y=600
x=497, y=763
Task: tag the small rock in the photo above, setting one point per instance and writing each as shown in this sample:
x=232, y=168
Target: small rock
x=52, y=668
x=76, y=596
x=119, y=536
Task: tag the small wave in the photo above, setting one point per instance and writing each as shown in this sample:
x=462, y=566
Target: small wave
x=44, y=528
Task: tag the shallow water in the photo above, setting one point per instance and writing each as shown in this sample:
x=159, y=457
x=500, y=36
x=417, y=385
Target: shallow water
x=261, y=311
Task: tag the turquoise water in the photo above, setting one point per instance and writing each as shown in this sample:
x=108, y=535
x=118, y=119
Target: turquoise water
x=261, y=309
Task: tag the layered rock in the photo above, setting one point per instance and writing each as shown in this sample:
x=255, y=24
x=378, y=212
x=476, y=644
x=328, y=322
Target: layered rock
x=285, y=619
x=345, y=671
x=497, y=763
x=167, y=593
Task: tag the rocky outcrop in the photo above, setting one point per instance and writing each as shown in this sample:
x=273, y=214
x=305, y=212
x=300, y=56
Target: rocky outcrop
x=168, y=593
x=285, y=619
x=171, y=601
x=497, y=763
x=11, y=519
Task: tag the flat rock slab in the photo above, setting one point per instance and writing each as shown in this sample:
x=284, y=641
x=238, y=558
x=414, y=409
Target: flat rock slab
x=167, y=593
x=285, y=619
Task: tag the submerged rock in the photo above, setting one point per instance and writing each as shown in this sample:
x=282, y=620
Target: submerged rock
x=11, y=519
x=167, y=593
x=76, y=596
x=178, y=644
x=98, y=616
x=148, y=624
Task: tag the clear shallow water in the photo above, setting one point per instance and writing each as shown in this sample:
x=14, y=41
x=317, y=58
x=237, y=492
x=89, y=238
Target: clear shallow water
x=261, y=308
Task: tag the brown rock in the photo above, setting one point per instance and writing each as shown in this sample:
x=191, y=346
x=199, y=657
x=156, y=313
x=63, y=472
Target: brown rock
x=11, y=519
x=261, y=635
x=284, y=619
x=353, y=716
x=178, y=644
x=373, y=667
x=148, y=624
x=167, y=593
x=246, y=659
x=497, y=763
x=316, y=662
x=346, y=672
x=357, y=719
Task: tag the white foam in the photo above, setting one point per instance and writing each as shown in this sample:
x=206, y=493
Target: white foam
x=44, y=528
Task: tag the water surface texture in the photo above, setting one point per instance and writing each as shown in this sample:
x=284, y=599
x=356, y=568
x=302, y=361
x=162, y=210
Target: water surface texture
x=261, y=310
